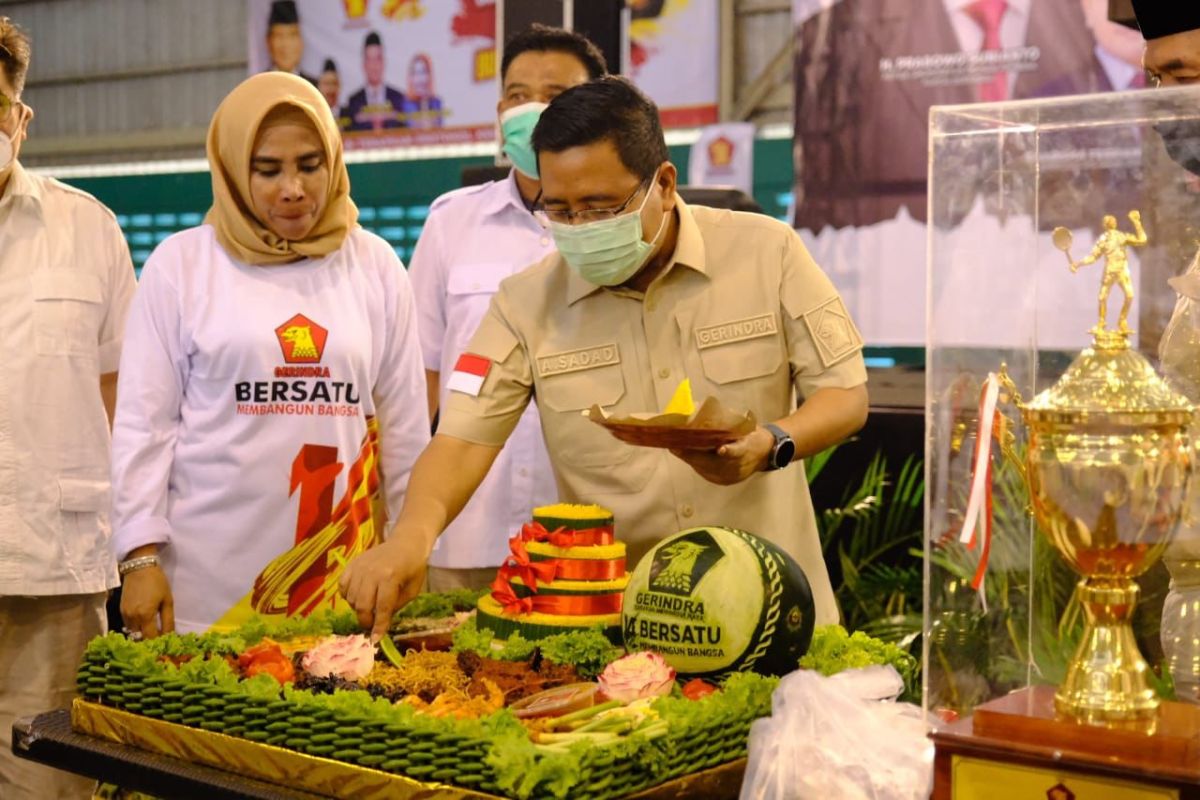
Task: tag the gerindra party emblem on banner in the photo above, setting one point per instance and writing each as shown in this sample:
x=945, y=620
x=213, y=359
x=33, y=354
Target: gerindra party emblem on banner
x=724, y=156
x=395, y=72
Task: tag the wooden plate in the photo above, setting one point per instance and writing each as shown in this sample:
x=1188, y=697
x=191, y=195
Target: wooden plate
x=710, y=427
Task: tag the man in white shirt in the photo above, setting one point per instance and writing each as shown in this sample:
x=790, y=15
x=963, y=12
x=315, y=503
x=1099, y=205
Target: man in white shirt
x=65, y=286
x=474, y=238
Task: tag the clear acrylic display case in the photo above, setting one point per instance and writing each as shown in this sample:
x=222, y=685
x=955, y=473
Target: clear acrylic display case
x=1002, y=177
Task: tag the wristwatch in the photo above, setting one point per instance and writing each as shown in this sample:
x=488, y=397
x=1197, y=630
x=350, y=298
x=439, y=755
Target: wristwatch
x=782, y=452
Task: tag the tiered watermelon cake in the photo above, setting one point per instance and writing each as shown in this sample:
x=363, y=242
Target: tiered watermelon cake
x=566, y=572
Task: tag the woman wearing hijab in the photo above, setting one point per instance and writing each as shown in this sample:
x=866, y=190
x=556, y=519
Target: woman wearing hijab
x=271, y=397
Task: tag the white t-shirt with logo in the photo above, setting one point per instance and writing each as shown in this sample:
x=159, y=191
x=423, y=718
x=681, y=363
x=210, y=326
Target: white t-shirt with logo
x=245, y=436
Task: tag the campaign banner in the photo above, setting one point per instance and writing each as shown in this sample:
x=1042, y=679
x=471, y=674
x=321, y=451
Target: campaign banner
x=415, y=72
x=674, y=48
x=395, y=72
x=724, y=156
x=867, y=73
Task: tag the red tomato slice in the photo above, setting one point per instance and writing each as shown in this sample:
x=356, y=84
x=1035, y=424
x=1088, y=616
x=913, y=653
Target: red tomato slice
x=556, y=702
x=697, y=688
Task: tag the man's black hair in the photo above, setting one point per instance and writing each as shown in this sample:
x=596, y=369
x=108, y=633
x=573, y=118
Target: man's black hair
x=372, y=39
x=329, y=66
x=607, y=109
x=538, y=38
x=283, y=12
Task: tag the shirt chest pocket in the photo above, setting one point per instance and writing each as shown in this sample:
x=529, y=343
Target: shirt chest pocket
x=469, y=290
x=569, y=383
x=67, y=313
x=740, y=350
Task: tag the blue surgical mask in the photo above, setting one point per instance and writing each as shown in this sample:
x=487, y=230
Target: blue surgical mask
x=517, y=124
x=610, y=251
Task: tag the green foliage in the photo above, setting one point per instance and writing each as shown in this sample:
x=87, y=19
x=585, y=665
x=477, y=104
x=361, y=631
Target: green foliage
x=440, y=604
x=868, y=541
x=589, y=650
x=481, y=641
x=833, y=650
x=322, y=623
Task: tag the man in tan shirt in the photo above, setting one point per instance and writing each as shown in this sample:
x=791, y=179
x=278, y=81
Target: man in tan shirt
x=643, y=292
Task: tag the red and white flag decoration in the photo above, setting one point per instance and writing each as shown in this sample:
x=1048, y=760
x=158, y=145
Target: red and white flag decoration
x=469, y=373
x=978, y=519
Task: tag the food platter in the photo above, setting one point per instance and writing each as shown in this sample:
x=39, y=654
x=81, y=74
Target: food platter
x=311, y=704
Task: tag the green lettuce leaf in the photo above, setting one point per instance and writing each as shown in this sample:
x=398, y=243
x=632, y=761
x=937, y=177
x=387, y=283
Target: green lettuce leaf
x=589, y=650
x=833, y=650
x=441, y=604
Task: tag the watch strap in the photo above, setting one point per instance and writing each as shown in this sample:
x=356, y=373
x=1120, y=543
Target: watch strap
x=783, y=442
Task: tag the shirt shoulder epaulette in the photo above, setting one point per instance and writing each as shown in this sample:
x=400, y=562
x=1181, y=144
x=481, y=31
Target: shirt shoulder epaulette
x=55, y=185
x=456, y=194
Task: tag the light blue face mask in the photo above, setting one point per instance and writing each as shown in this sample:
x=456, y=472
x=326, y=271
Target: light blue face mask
x=517, y=124
x=607, y=252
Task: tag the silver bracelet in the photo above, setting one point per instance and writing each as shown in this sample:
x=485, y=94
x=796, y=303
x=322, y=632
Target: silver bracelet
x=134, y=564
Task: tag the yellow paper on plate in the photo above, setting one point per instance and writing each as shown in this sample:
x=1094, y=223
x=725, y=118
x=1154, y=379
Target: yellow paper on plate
x=681, y=401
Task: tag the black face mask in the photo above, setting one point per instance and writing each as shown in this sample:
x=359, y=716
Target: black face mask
x=1181, y=137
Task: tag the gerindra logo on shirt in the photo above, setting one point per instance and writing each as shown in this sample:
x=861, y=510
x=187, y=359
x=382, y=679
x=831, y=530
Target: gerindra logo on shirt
x=303, y=386
x=302, y=340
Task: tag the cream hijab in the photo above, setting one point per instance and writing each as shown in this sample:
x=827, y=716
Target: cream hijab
x=230, y=144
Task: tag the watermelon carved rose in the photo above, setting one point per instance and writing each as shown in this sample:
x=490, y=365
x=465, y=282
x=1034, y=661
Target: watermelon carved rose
x=636, y=676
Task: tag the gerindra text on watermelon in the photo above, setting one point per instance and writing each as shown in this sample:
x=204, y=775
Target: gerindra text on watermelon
x=672, y=632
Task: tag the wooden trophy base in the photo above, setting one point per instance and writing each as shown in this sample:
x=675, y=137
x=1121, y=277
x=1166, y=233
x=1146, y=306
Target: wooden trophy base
x=1018, y=747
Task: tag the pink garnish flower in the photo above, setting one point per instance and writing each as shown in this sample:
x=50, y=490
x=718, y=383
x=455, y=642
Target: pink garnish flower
x=348, y=657
x=636, y=676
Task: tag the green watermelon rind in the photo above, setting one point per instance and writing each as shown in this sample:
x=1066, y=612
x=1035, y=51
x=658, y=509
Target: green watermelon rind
x=504, y=627
x=548, y=590
x=768, y=619
x=554, y=523
x=761, y=656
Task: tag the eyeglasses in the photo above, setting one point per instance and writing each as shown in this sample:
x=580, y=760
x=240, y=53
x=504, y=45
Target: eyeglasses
x=565, y=217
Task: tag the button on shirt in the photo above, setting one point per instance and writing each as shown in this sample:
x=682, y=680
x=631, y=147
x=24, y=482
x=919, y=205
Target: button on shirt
x=742, y=311
x=66, y=282
x=473, y=239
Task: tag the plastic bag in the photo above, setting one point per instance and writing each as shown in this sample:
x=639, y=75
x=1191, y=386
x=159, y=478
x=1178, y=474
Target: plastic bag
x=841, y=737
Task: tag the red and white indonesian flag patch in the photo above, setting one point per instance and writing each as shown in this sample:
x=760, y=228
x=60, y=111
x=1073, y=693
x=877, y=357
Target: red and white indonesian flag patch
x=469, y=373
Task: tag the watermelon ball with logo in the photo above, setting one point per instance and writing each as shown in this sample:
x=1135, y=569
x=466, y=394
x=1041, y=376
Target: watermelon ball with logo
x=714, y=600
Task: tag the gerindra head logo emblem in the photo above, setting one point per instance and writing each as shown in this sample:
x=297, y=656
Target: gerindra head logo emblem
x=720, y=152
x=1059, y=792
x=679, y=566
x=302, y=340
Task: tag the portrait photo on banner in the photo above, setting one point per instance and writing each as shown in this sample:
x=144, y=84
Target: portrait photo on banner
x=394, y=73
x=867, y=73
x=418, y=72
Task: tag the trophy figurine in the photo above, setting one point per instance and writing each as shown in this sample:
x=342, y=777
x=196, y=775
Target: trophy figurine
x=1107, y=464
x=1111, y=247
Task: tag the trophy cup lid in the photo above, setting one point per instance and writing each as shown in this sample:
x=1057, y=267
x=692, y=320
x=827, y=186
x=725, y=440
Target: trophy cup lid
x=1115, y=383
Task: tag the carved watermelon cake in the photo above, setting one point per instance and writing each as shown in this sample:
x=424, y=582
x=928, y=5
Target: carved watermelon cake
x=566, y=572
x=714, y=601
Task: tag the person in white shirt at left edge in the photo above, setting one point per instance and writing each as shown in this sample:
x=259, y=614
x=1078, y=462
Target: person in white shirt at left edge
x=271, y=400
x=66, y=282
x=474, y=238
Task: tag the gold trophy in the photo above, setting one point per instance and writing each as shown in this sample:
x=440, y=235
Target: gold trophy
x=1107, y=464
